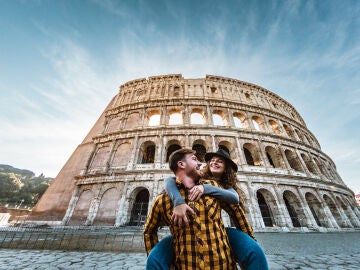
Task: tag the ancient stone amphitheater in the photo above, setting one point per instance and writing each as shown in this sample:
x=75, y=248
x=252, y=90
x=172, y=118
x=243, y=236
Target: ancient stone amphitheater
x=114, y=174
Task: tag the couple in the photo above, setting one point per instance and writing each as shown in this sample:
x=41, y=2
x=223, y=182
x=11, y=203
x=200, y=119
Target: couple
x=199, y=240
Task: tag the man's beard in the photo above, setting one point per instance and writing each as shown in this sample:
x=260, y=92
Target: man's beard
x=194, y=174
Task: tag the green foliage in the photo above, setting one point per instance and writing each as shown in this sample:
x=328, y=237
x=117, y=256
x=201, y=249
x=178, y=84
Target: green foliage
x=21, y=186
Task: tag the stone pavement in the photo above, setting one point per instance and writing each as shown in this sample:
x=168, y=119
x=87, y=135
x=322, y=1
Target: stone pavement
x=284, y=251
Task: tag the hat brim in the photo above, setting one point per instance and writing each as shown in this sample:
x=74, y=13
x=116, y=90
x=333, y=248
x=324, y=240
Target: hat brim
x=232, y=164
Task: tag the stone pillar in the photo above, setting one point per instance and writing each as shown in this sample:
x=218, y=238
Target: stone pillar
x=230, y=118
x=163, y=116
x=286, y=162
x=256, y=216
x=285, y=218
x=310, y=220
x=344, y=217
x=213, y=143
x=131, y=164
x=265, y=161
x=209, y=116
x=302, y=163
x=186, y=116
x=70, y=210
x=242, y=159
x=327, y=211
x=122, y=213
x=94, y=207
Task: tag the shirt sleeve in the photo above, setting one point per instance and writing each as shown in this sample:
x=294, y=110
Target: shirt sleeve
x=173, y=191
x=237, y=214
x=152, y=224
x=225, y=195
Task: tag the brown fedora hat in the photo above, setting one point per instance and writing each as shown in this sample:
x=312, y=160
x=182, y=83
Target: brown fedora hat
x=223, y=154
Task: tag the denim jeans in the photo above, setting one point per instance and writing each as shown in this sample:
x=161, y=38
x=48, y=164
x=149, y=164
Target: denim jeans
x=245, y=249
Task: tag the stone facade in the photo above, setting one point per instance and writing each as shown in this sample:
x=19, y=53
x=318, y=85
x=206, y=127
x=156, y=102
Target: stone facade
x=114, y=174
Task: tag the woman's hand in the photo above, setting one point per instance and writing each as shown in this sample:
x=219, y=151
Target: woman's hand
x=196, y=192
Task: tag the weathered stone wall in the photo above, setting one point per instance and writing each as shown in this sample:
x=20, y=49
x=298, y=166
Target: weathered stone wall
x=285, y=178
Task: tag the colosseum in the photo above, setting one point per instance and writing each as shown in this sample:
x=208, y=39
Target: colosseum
x=287, y=182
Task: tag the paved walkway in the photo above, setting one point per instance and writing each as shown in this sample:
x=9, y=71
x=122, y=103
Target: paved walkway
x=284, y=251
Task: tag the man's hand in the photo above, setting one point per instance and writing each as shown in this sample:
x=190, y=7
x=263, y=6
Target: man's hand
x=196, y=192
x=179, y=215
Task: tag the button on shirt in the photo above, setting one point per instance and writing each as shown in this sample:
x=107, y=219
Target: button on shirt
x=202, y=245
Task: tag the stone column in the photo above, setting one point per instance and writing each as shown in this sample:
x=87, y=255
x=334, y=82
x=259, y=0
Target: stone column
x=242, y=159
x=265, y=161
x=122, y=216
x=327, y=211
x=302, y=163
x=341, y=211
x=131, y=164
x=285, y=218
x=256, y=216
x=213, y=143
x=163, y=116
x=186, y=115
x=69, y=211
x=209, y=116
x=310, y=220
x=286, y=162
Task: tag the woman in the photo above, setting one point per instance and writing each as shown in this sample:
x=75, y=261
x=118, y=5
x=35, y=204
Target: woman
x=222, y=169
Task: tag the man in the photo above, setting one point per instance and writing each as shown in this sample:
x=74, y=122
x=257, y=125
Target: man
x=204, y=243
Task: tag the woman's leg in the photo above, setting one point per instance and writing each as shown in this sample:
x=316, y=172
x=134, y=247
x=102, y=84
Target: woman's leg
x=162, y=255
x=246, y=250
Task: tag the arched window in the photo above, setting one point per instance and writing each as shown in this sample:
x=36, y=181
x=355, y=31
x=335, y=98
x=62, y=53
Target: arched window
x=252, y=155
x=200, y=151
x=258, y=123
x=274, y=126
x=248, y=157
x=239, y=120
x=147, y=153
x=154, y=119
x=218, y=120
x=273, y=156
x=293, y=160
x=139, y=209
x=171, y=148
x=196, y=118
x=309, y=163
x=175, y=118
x=265, y=210
x=289, y=132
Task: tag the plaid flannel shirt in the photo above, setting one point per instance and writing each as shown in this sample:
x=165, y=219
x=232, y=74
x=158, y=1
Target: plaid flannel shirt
x=202, y=245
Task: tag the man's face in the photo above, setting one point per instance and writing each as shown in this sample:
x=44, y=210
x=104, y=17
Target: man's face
x=192, y=166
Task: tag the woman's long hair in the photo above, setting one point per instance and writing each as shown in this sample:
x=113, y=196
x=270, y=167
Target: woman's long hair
x=227, y=180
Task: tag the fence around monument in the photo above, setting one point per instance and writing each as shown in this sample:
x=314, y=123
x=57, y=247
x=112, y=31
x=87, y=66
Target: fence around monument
x=22, y=233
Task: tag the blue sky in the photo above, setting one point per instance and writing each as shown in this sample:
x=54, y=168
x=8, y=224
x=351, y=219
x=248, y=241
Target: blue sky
x=61, y=62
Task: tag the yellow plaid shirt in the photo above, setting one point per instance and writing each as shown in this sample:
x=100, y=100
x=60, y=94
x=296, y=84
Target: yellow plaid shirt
x=204, y=244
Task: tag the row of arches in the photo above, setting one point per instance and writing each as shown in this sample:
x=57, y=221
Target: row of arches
x=215, y=117
x=272, y=156
x=269, y=208
x=118, y=156
x=312, y=211
x=194, y=88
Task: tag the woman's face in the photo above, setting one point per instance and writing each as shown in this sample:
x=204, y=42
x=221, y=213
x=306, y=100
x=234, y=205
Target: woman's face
x=217, y=166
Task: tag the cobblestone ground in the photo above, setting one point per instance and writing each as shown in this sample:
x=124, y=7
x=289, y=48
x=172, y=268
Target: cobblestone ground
x=284, y=251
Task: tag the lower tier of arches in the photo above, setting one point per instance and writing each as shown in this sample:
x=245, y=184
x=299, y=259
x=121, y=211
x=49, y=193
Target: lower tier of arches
x=269, y=203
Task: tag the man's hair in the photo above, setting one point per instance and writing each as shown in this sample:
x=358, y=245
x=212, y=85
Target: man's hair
x=178, y=155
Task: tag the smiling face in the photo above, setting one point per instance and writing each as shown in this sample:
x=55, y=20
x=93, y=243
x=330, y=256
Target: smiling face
x=192, y=166
x=217, y=166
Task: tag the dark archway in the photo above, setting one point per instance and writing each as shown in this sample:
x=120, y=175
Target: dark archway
x=139, y=209
x=293, y=215
x=265, y=210
x=200, y=151
x=172, y=148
